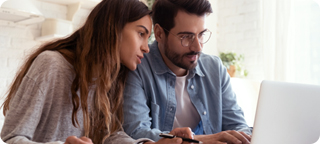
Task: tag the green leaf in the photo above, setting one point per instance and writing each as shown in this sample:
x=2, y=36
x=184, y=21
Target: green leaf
x=232, y=58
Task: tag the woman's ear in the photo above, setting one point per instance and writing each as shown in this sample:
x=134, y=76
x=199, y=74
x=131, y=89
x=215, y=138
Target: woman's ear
x=158, y=33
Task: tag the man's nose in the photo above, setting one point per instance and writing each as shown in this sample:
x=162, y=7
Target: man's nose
x=196, y=45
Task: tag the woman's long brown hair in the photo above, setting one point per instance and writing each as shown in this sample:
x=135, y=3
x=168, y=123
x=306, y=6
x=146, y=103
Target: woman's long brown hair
x=93, y=50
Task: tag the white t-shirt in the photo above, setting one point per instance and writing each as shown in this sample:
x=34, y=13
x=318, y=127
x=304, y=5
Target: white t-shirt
x=186, y=114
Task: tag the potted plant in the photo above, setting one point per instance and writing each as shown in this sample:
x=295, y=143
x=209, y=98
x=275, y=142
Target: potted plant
x=150, y=2
x=233, y=63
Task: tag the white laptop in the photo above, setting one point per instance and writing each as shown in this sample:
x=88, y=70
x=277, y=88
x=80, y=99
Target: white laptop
x=287, y=113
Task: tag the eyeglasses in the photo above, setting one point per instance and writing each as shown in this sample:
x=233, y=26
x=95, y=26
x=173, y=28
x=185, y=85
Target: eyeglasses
x=187, y=39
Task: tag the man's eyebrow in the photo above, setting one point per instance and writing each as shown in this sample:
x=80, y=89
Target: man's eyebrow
x=204, y=30
x=191, y=32
x=185, y=33
x=147, y=31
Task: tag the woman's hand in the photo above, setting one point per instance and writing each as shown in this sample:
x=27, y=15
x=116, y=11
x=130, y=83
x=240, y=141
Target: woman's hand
x=75, y=140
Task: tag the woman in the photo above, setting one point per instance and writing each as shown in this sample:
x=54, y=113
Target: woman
x=73, y=87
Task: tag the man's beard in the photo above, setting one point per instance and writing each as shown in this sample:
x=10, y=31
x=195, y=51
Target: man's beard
x=177, y=59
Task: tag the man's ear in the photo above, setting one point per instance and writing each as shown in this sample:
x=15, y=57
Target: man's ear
x=158, y=33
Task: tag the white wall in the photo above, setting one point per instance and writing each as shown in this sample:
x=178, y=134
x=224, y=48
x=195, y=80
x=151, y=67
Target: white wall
x=16, y=42
x=239, y=31
x=211, y=22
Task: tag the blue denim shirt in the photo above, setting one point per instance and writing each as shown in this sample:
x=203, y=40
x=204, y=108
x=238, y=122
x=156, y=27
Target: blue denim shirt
x=150, y=101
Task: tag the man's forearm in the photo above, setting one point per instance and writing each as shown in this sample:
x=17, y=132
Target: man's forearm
x=147, y=133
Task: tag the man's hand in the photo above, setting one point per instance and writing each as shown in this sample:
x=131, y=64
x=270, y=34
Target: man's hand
x=181, y=132
x=184, y=132
x=167, y=141
x=230, y=137
x=75, y=140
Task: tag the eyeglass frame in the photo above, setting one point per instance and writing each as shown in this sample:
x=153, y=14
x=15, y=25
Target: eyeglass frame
x=193, y=36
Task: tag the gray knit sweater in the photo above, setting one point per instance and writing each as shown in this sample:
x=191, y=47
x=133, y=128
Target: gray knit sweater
x=41, y=110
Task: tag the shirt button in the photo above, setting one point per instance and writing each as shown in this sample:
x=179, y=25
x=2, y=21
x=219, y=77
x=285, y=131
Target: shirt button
x=204, y=113
x=192, y=87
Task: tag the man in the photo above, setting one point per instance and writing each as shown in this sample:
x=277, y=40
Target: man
x=178, y=86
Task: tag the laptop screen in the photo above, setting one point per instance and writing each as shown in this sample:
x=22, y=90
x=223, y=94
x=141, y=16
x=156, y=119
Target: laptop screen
x=287, y=113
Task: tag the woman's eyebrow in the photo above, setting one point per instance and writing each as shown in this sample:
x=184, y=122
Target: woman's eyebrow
x=147, y=31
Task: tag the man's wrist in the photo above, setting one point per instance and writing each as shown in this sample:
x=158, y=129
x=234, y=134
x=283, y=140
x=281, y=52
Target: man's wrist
x=198, y=137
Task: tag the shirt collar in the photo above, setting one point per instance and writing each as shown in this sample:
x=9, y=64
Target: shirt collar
x=160, y=67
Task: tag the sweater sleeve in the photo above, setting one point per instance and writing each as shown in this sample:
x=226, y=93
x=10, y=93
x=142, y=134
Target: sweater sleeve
x=24, y=140
x=24, y=113
x=32, y=104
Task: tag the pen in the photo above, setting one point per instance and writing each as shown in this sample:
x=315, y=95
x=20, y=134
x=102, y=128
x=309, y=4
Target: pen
x=184, y=139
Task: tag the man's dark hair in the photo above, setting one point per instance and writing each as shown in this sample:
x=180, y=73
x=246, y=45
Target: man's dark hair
x=164, y=11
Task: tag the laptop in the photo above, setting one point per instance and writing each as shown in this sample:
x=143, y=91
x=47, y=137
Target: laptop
x=287, y=113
